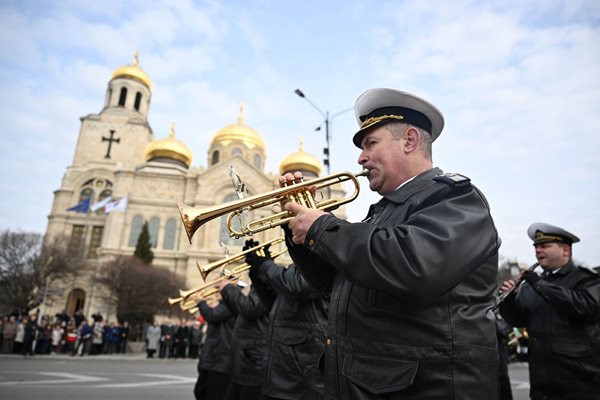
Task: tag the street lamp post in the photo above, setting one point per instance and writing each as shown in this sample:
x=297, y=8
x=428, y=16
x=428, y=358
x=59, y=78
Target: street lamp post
x=327, y=122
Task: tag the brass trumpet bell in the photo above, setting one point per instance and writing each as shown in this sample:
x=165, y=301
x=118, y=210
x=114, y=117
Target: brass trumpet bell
x=193, y=218
x=206, y=269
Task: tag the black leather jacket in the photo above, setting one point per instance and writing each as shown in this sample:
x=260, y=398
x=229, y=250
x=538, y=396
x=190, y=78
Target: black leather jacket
x=563, y=363
x=249, y=335
x=296, y=335
x=216, y=350
x=411, y=288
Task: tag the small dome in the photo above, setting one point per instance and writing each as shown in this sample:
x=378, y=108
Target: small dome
x=169, y=148
x=300, y=161
x=239, y=133
x=133, y=71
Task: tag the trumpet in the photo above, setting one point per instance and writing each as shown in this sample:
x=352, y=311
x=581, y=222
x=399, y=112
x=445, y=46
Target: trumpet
x=504, y=295
x=193, y=218
x=209, y=287
x=206, y=269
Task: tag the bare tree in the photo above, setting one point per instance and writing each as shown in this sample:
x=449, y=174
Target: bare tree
x=28, y=267
x=141, y=291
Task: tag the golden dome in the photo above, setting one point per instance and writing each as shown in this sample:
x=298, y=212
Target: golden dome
x=300, y=161
x=239, y=133
x=133, y=71
x=169, y=148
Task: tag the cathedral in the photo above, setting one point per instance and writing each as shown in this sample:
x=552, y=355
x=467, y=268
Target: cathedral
x=119, y=163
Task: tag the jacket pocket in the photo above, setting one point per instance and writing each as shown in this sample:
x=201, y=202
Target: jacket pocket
x=577, y=360
x=378, y=374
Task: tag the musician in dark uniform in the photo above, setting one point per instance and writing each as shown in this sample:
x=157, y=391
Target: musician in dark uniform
x=296, y=336
x=413, y=284
x=214, y=366
x=248, y=341
x=560, y=309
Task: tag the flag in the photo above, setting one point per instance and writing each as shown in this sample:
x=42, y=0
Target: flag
x=82, y=207
x=117, y=205
x=100, y=204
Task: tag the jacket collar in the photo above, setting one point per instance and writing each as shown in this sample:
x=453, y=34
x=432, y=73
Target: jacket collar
x=565, y=269
x=419, y=183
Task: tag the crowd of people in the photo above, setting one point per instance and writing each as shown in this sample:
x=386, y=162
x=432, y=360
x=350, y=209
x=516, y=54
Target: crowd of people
x=77, y=335
x=63, y=334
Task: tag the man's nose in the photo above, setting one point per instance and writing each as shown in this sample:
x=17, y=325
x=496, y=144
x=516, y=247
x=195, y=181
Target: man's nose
x=362, y=158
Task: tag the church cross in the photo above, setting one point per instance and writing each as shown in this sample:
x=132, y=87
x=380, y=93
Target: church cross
x=110, y=141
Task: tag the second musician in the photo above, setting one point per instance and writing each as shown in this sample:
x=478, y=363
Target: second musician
x=557, y=309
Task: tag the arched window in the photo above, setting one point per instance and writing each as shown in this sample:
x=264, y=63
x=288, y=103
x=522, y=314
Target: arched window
x=153, y=225
x=169, y=239
x=136, y=229
x=257, y=160
x=215, y=157
x=236, y=152
x=104, y=194
x=85, y=193
x=123, y=96
x=138, y=100
x=223, y=234
x=75, y=301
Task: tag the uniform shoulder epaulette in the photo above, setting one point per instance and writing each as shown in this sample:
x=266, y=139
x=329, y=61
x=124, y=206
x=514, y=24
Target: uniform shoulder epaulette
x=588, y=270
x=453, y=179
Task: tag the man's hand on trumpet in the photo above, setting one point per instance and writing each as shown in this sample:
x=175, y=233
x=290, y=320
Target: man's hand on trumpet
x=304, y=216
x=507, y=286
x=222, y=283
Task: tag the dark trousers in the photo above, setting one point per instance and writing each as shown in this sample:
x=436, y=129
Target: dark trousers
x=242, y=392
x=211, y=385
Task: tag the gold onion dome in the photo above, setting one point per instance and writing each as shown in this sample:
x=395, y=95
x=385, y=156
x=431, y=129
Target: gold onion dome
x=133, y=71
x=300, y=161
x=169, y=148
x=239, y=133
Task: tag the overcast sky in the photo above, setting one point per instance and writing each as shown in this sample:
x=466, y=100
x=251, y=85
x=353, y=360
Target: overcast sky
x=518, y=83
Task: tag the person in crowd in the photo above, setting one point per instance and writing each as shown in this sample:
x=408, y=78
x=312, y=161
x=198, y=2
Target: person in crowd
x=70, y=337
x=152, y=339
x=248, y=340
x=214, y=366
x=182, y=333
x=84, y=339
x=195, y=339
x=3, y=322
x=43, y=337
x=30, y=329
x=413, y=282
x=296, y=338
x=19, y=338
x=561, y=311
x=57, y=335
x=123, y=338
x=167, y=331
x=97, y=334
x=8, y=334
x=111, y=337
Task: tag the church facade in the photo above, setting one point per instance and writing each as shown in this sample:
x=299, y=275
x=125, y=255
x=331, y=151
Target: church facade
x=118, y=158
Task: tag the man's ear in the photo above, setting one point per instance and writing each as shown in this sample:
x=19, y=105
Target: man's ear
x=411, y=139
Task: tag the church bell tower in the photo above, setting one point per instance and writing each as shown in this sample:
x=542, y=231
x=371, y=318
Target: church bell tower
x=115, y=135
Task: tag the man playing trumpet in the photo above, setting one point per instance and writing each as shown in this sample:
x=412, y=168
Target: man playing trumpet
x=560, y=310
x=413, y=282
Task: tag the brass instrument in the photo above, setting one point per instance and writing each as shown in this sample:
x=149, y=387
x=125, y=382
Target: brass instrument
x=194, y=218
x=504, y=295
x=189, y=298
x=206, y=269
